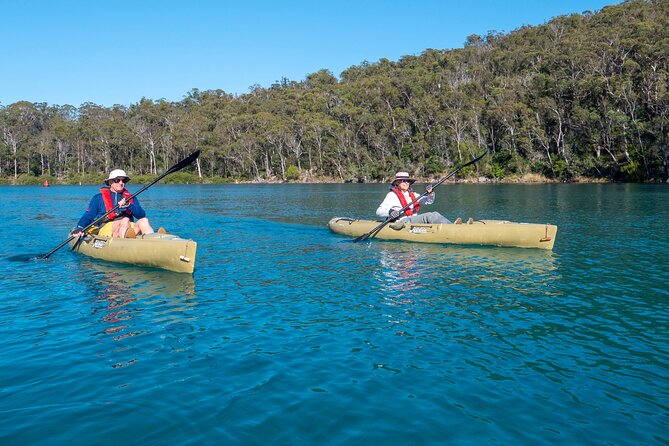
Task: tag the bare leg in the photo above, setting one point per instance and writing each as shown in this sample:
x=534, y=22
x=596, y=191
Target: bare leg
x=120, y=226
x=142, y=226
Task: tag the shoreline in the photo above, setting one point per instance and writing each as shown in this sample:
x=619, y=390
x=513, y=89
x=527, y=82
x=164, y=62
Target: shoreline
x=525, y=179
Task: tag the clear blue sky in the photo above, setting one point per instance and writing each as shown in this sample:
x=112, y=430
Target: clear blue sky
x=117, y=51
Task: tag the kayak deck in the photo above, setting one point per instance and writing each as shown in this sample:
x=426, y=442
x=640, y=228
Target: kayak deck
x=164, y=251
x=481, y=232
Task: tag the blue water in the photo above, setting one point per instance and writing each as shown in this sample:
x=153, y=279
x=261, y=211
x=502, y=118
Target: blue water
x=290, y=335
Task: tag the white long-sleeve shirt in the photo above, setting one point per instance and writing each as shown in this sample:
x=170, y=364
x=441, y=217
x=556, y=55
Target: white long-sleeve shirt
x=393, y=201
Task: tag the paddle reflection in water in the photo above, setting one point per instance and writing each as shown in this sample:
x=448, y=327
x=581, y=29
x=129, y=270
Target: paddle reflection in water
x=130, y=301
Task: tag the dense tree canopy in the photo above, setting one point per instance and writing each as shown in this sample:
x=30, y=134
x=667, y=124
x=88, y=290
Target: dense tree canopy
x=585, y=95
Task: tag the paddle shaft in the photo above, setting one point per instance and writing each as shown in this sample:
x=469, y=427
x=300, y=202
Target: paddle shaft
x=180, y=165
x=376, y=230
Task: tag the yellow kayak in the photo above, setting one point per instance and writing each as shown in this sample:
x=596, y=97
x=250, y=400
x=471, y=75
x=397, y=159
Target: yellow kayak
x=481, y=232
x=164, y=251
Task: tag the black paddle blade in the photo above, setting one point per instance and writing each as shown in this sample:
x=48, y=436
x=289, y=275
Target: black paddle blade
x=184, y=162
x=371, y=233
x=48, y=254
x=25, y=257
x=361, y=238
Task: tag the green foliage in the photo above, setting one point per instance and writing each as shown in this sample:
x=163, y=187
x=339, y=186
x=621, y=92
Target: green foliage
x=469, y=172
x=507, y=163
x=543, y=168
x=182, y=177
x=27, y=180
x=497, y=171
x=74, y=179
x=434, y=166
x=292, y=173
x=217, y=179
x=374, y=172
x=632, y=171
x=561, y=170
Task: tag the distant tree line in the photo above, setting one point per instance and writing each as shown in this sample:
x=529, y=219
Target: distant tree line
x=585, y=95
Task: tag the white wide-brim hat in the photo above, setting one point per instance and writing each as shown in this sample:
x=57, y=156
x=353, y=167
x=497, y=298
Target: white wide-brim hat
x=117, y=173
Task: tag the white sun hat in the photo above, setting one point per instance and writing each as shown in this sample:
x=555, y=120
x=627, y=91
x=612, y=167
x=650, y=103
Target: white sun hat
x=117, y=173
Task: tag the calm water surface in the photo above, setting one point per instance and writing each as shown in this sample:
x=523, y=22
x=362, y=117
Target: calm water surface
x=289, y=334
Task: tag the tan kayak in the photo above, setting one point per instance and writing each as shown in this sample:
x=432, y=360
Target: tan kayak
x=481, y=232
x=164, y=251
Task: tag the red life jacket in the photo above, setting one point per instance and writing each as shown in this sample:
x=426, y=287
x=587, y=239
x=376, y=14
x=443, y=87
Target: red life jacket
x=403, y=201
x=106, y=197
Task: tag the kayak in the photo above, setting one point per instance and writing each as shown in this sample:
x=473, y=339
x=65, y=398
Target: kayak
x=480, y=232
x=164, y=251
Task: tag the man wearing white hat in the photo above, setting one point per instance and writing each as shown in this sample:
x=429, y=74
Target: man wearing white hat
x=400, y=196
x=122, y=220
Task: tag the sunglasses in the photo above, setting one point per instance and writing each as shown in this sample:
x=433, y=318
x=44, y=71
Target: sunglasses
x=403, y=181
x=121, y=180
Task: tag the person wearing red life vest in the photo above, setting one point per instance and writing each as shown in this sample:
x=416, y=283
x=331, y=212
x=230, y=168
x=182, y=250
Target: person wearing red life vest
x=401, y=195
x=109, y=197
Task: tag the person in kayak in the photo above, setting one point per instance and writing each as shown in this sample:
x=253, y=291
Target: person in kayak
x=401, y=195
x=122, y=219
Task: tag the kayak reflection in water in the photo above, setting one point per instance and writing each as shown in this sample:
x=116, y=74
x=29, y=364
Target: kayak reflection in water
x=122, y=220
x=400, y=196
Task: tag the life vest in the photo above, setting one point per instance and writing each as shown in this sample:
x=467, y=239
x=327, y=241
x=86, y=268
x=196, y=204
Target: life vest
x=106, y=197
x=404, y=203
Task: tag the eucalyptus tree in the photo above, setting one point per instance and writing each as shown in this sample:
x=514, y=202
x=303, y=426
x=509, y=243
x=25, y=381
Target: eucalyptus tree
x=456, y=117
x=287, y=104
x=238, y=135
x=20, y=123
x=61, y=130
x=94, y=125
x=235, y=130
x=145, y=120
x=317, y=101
x=49, y=141
x=275, y=130
x=192, y=127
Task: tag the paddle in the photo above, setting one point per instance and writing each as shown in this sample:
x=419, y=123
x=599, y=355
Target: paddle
x=376, y=230
x=178, y=166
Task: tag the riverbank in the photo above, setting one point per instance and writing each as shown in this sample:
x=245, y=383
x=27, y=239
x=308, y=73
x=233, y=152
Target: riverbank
x=43, y=181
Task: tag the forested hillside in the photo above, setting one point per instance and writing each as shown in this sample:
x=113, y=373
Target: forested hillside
x=585, y=95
